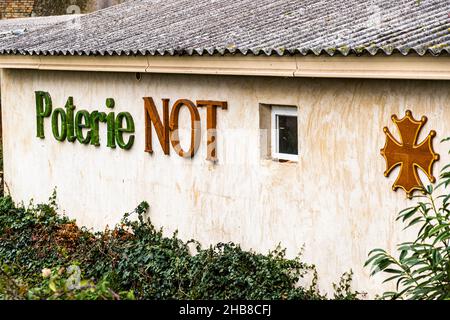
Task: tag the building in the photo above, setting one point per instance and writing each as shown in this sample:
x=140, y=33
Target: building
x=12, y=28
x=258, y=122
x=16, y=8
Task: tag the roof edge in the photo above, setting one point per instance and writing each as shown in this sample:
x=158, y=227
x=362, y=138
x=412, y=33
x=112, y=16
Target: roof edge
x=215, y=51
x=377, y=67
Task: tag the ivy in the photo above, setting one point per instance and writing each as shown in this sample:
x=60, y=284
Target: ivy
x=135, y=260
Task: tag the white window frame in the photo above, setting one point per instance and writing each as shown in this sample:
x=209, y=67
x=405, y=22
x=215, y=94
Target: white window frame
x=281, y=111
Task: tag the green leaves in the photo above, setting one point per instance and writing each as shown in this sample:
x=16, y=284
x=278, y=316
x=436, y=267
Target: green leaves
x=407, y=213
x=136, y=261
x=422, y=270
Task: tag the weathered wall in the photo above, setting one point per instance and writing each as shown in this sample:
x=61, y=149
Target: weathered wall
x=335, y=200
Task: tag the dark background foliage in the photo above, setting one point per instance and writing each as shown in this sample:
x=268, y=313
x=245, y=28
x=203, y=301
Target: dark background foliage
x=57, y=7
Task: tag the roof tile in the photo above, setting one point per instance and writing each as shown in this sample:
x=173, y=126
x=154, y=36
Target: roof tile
x=270, y=27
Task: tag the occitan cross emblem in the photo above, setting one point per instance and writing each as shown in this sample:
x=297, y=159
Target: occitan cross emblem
x=409, y=155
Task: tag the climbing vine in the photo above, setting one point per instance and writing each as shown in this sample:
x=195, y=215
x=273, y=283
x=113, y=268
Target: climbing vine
x=46, y=256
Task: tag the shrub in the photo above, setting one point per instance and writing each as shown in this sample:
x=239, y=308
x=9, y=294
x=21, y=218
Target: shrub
x=422, y=269
x=58, y=284
x=135, y=260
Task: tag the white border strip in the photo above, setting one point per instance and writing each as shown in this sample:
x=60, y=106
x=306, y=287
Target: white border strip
x=380, y=67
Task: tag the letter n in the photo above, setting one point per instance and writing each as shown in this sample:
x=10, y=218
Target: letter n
x=161, y=128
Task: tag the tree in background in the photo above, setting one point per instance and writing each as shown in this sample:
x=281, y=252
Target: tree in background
x=59, y=7
x=10, y=9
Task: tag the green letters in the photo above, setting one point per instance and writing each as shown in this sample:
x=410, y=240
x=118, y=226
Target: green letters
x=59, y=135
x=43, y=110
x=82, y=121
x=111, y=132
x=96, y=118
x=66, y=124
x=70, y=120
x=128, y=129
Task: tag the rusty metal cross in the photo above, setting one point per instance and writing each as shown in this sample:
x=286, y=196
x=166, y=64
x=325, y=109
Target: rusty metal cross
x=408, y=154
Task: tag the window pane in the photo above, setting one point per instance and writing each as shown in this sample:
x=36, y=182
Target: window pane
x=287, y=134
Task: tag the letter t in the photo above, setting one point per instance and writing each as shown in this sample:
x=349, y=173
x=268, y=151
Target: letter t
x=211, y=125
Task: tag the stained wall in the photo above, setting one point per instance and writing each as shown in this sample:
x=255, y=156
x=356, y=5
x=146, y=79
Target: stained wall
x=335, y=202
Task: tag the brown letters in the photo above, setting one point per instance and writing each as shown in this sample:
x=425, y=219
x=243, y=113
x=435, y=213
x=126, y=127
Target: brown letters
x=162, y=130
x=211, y=125
x=195, y=128
x=168, y=130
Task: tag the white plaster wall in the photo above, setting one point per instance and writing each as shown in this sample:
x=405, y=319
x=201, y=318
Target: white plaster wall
x=335, y=200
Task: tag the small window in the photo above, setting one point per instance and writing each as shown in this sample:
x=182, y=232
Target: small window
x=284, y=133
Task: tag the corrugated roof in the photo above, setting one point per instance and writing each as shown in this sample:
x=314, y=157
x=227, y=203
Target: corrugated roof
x=11, y=28
x=207, y=27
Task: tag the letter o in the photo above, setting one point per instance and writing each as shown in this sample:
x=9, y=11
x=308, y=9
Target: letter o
x=195, y=128
x=61, y=114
